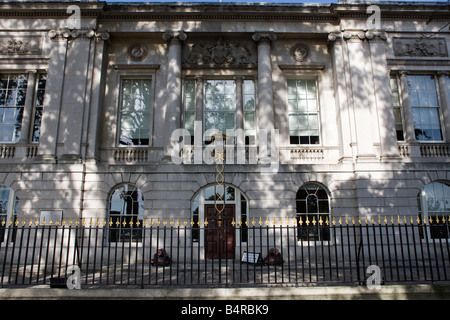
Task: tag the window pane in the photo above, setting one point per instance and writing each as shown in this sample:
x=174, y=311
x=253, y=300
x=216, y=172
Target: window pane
x=126, y=208
x=249, y=120
x=12, y=99
x=135, y=112
x=312, y=199
x=219, y=105
x=304, y=116
x=395, y=95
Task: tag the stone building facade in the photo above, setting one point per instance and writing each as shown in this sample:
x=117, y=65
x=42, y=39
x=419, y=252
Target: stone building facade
x=331, y=110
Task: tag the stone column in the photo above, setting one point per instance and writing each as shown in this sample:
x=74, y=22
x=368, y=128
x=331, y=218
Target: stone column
x=76, y=95
x=382, y=94
x=198, y=125
x=409, y=125
x=53, y=97
x=361, y=103
x=265, y=90
x=341, y=79
x=240, y=133
x=173, y=88
x=98, y=78
x=239, y=110
x=445, y=104
x=28, y=107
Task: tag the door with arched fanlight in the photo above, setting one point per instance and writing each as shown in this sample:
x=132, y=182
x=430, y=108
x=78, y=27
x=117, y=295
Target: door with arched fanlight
x=220, y=234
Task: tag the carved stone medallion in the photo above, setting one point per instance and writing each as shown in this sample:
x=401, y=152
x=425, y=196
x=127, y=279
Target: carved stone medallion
x=137, y=52
x=300, y=52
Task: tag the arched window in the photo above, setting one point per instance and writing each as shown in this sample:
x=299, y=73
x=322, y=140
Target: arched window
x=434, y=207
x=126, y=208
x=8, y=209
x=313, y=210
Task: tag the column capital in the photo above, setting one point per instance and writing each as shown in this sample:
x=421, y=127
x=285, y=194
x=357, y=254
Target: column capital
x=376, y=35
x=101, y=35
x=66, y=34
x=333, y=36
x=174, y=37
x=442, y=73
x=264, y=37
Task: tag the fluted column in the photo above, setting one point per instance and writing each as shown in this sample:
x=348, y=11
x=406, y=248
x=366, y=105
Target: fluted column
x=173, y=88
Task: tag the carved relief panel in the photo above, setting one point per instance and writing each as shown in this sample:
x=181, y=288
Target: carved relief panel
x=420, y=47
x=19, y=46
x=220, y=52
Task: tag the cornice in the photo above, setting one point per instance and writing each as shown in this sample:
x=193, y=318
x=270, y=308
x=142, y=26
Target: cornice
x=214, y=11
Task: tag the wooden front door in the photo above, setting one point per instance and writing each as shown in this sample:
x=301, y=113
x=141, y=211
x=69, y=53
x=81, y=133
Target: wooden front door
x=220, y=240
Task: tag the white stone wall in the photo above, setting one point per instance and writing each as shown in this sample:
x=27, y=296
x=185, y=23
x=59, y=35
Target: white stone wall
x=75, y=170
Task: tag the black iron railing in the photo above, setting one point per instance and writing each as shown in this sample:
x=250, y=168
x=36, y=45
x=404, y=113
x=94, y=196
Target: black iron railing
x=179, y=252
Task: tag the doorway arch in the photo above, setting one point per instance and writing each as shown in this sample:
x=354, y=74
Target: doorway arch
x=233, y=220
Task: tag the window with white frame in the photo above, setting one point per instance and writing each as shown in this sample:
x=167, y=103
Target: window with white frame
x=313, y=212
x=135, y=110
x=219, y=110
x=126, y=209
x=38, y=106
x=8, y=210
x=249, y=111
x=434, y=208
x=425, y=108
x=397, y=108
x=219, y=106
x=13, y=90
x=303, y=111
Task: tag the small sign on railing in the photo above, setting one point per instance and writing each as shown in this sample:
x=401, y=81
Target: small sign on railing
x=251, y=257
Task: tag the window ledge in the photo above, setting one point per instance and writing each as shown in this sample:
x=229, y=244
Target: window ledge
x=18, y=150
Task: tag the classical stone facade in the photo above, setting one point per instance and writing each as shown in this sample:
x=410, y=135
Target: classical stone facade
x=359, y=117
